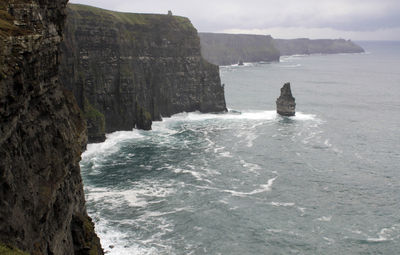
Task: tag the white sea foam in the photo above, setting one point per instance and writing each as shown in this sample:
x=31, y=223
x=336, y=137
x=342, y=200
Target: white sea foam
x=302, y=210
x=250, y=166
x=290, y=66
x=111, y=144
x=329, y=240
x=304, y=116
x=278, y=204
x=263, y=188
x=325, y=218
x=248, y=115
x=387, y=234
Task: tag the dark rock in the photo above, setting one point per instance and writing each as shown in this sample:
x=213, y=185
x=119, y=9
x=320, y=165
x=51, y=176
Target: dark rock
x=135, y=68
x=42, y=135
x=226, y=49
x=285, y=104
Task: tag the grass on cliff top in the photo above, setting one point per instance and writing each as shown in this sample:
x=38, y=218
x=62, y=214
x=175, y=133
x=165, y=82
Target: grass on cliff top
x=130, y=18
x=7, y=250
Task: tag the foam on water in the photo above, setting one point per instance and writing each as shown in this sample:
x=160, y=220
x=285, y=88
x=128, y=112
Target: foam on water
x=387, y=234
x=278, y=204
x=111, y=144
x=325, y=218
x=263, y=188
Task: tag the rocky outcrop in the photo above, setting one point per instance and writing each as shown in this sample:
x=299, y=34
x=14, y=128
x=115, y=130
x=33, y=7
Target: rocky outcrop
x=228, y=49
x=322, y=46
x=126, y=70
x=285, y=104
x=42, y=134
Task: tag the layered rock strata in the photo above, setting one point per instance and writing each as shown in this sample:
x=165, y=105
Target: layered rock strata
x=285, y=104
x=42, y=134
x=126, y=70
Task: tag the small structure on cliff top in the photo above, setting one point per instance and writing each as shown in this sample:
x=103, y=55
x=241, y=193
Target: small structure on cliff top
x=285, y=104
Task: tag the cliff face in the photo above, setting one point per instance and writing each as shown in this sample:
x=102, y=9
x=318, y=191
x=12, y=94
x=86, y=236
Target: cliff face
x=128, y=69
x=228, y=49
x=42, y=134
x=322, y=46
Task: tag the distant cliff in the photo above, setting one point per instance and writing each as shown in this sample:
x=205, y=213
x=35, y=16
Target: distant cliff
x=323, y=46
x=42, y=134
x=228, y=49
x=128, y=69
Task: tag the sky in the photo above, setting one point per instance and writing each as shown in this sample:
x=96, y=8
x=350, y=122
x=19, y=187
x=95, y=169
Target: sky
x=348, y=19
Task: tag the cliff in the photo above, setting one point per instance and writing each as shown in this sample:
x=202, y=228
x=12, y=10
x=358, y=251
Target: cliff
x=42, y=134
x=228, y=49
x=321, y=46
x=128, y=69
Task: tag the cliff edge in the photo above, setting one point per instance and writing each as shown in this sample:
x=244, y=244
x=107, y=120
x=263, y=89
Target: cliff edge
x=42, y=134
x=127, y=69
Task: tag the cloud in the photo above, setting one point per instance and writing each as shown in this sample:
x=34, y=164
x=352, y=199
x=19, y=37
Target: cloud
x=361, y=16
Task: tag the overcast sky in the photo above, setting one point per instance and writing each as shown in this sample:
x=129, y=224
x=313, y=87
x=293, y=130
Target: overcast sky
x=349, y=19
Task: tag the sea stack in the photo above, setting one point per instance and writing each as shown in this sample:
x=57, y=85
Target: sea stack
x=285, y=104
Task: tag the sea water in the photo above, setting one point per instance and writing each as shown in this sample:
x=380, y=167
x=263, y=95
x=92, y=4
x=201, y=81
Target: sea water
x=248, y=181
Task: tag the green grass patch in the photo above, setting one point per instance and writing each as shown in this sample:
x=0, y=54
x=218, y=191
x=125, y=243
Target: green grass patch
x=8, y=250
x=95, y=116
x=94, y=13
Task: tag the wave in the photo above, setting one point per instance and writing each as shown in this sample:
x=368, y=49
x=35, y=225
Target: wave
x=279, y=204
x=263, y=188
x=325, y=218
x=236, y=115
x=387, y=234
x=111, y=144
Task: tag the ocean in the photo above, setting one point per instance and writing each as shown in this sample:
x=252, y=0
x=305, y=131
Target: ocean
x=248, y=181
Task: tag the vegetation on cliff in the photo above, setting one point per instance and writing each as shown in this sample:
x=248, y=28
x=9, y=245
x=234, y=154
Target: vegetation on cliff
x=9, y=250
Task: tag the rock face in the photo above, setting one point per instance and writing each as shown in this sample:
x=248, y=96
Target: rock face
x=285, y=104
x=229, y=49
x=126, y=70
x=42, y=134
x=321, y=46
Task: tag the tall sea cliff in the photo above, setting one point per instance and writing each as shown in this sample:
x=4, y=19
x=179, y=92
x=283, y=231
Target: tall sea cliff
x=227, y=49
x=126, y=70
x=42, y=135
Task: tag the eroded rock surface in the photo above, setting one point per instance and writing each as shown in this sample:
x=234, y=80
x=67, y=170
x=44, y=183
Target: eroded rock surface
x=42, y=135
x=285, y=104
